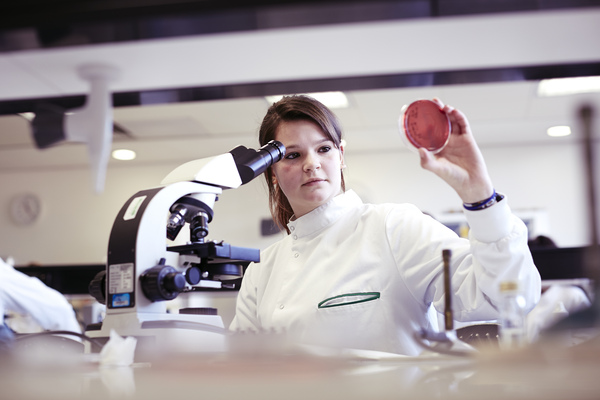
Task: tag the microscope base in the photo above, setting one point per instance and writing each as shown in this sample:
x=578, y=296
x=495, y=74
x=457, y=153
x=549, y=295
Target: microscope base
x=159, y=334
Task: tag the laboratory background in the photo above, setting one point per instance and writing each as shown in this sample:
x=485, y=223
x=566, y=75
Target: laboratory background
x=189, y=80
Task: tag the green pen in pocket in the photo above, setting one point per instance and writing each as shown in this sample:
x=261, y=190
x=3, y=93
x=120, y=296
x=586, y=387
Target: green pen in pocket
x=349, y=298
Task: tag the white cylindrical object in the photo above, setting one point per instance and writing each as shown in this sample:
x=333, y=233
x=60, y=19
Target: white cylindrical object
x=512, y=316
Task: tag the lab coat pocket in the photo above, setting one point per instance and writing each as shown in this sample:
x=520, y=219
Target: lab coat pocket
x=346, y=320
x=348, y=298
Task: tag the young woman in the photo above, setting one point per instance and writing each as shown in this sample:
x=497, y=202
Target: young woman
x=363, y=276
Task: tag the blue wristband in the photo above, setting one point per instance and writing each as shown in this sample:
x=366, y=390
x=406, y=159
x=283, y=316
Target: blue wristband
x=481, y=205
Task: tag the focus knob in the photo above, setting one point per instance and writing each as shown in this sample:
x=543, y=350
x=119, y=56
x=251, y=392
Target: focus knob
x=97, y=287
x=162, y=282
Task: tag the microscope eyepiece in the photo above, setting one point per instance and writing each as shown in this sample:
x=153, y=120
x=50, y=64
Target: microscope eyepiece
x=251, y=163
x=275, y=149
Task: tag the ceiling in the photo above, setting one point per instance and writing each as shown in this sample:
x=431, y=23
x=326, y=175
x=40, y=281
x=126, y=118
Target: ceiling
x=191, y=85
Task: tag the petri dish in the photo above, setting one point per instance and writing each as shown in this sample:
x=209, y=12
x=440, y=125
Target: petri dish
x=423, y=124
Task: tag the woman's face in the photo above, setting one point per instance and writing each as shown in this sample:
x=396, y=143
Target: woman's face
x=310, y=173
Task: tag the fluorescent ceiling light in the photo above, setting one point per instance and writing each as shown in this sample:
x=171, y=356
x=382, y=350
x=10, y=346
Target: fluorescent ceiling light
x=329, y=99
x=559, y=131
x=566, y=86
x=123, y=154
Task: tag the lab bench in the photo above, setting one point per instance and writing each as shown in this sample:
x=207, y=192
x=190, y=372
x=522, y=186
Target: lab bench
x=555, y=367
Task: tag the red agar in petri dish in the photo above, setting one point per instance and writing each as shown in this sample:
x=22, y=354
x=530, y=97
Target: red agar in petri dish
x=424, y=124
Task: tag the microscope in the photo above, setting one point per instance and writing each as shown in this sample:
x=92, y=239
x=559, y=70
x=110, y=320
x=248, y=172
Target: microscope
x=143, y=272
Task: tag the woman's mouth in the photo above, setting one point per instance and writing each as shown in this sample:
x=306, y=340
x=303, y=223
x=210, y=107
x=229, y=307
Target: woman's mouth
x=312, y=182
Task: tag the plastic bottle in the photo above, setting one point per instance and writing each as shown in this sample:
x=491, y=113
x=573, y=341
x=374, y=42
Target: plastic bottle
x=512, y=330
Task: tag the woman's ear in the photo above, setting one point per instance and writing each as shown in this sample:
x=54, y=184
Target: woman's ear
x=342, y=163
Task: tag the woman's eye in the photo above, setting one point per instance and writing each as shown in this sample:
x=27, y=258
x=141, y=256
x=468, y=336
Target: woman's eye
x=325, y=149
x=291, y=156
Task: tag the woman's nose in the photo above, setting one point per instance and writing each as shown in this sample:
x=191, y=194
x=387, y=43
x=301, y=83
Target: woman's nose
x=311, y=163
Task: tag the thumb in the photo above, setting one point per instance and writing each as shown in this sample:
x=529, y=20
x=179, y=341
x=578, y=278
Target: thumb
x=426, y=158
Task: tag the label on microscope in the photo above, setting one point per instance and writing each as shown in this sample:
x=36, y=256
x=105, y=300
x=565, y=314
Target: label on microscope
x=133, y=208
x=120, y=278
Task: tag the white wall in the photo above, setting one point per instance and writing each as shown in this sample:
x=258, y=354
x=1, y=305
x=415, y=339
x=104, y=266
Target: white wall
x=76, y=223
x=549, y=179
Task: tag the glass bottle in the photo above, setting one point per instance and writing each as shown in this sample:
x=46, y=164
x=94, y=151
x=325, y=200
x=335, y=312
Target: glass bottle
x=512, y=329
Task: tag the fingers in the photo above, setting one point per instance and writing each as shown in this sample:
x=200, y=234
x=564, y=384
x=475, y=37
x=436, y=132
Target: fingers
x=458, y=119
x=444, y=107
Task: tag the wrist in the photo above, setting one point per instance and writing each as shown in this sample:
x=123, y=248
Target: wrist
x=485, y=203
x=475, y=190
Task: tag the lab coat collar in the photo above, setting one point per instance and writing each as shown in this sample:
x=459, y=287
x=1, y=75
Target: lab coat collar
x=325, y=214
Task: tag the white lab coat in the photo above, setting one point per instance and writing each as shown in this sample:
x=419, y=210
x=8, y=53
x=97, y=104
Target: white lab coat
x=388, y=257
x=29, y=296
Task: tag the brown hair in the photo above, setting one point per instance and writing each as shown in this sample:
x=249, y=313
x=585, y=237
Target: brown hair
x=294, y=108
